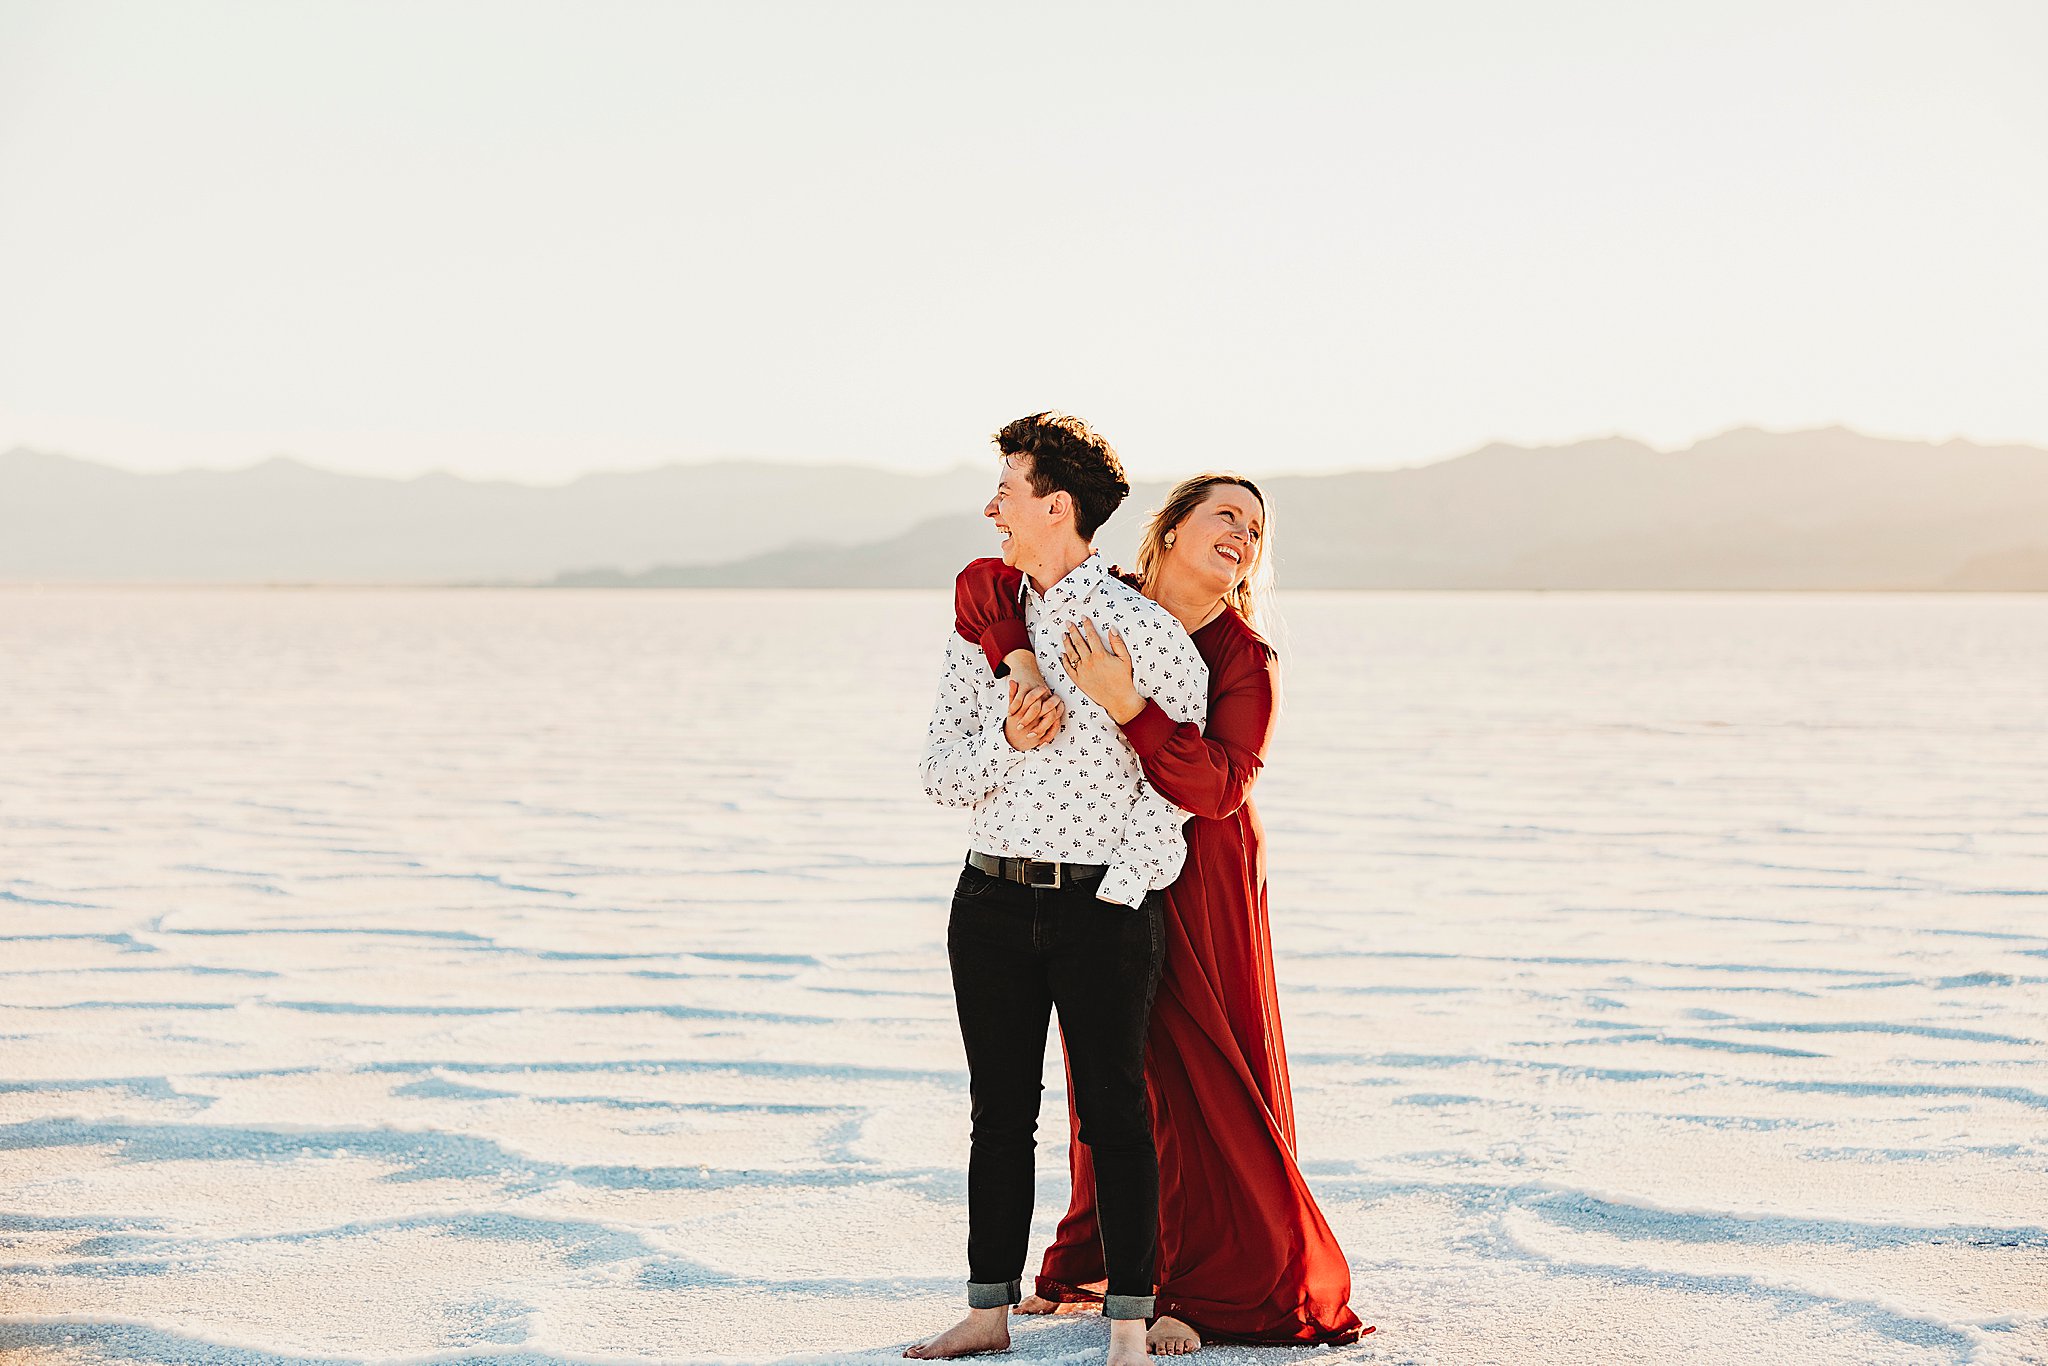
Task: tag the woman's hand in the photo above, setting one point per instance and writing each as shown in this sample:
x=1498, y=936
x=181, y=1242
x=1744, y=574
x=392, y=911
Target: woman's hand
x=1102, y=669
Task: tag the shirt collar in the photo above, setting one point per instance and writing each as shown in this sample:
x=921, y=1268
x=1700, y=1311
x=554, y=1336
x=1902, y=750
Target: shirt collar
x=1080, y=581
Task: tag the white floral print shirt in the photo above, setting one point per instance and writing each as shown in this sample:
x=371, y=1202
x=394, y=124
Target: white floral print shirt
x=1082, y=797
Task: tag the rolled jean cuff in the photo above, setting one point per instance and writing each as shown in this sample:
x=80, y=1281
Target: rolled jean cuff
x=1127, y=1306
x=996, y=1294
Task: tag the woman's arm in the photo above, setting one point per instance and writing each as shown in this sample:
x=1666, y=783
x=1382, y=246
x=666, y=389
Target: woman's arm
x=1212, y=774
x=986, y=612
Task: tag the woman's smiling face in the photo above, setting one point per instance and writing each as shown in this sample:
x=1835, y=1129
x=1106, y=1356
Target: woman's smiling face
x=1217, y=544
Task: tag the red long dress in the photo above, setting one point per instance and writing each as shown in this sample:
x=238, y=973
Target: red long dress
x=1244, y=1253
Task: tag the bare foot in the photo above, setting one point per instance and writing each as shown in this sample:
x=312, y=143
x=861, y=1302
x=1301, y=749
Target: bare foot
x=1127, y=1343
x=1171, y=1338
x=983, y=1330
x=1037, y=1304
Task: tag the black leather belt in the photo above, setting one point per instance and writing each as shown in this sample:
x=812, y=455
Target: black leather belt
x=1036, y=872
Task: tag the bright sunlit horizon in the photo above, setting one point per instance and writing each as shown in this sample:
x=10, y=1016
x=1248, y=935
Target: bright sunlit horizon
x=537, y=243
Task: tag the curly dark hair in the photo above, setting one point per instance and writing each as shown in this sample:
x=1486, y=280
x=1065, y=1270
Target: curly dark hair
x=1067, y=454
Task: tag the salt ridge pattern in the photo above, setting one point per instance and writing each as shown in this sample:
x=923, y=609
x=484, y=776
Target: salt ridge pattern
x=549, y=977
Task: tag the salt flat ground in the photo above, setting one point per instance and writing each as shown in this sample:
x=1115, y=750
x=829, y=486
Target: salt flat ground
x=526, y=977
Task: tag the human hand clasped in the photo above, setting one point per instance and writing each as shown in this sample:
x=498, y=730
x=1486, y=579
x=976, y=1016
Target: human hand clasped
x=1034, y=713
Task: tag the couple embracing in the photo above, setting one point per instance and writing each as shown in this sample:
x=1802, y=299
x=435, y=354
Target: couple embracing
x=1106, y=730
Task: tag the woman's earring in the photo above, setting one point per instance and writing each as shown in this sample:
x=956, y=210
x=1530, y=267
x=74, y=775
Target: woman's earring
x=1167, y=539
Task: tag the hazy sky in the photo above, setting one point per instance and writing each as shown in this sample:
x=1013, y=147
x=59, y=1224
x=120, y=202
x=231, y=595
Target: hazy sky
x=528, y=240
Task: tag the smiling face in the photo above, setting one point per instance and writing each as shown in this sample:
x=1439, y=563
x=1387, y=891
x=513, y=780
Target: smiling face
x=1029, y=525
x=1217, y=544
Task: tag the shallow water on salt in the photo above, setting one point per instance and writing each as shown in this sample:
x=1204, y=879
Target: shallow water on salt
x=539, y=976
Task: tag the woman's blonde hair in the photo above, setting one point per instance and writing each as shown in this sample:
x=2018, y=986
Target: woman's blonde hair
x=1253, y=596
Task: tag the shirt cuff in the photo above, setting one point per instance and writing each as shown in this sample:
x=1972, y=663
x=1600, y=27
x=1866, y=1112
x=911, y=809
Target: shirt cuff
x=1149, y=730
x=1001, y=637
x=1124, y=884
x=996, y=746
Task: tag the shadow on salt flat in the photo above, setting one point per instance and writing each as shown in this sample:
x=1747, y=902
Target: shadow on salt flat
x=2017, y=1095
x=1876, y=1318
x=364, y=931
x=583, y=1242
x=142, y=1088
x=1880, y=1027
x=363, y=1008
x=174, y=969
x=1968, y=979
x=109, y=1269
x=675, y=1012
x=1675, y=1041
x=125, y=942
x=21, y=900
x=1943, y=1154
x=422, y=1155
x=134, y=1005
x=802, y=1071
x=951, y=1080
x=440, y=1088
x=1576, y=961
x=120, y=1342
x=488, y=879
x=56, y=1223
x=670, y=1273
x=415, y=1155
x=1646, y=1222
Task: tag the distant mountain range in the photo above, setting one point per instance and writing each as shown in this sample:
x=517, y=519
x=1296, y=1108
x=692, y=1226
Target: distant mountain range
x=1822, y=509
x=63, y=519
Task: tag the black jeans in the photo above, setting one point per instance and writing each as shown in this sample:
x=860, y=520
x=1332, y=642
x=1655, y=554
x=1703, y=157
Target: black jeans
x=1019, y=952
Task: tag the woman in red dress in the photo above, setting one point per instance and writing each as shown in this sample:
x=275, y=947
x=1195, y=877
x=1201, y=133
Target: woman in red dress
x=1244, y=1253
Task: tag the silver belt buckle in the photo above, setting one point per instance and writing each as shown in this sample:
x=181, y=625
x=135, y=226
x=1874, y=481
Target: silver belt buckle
x=1057, y=870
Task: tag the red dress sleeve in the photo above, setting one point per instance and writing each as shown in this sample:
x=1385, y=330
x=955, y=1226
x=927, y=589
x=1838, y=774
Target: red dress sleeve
x=1211, y=775
x=986, y=610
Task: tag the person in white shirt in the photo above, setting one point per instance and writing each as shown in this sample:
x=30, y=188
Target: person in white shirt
x=1058, y=906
